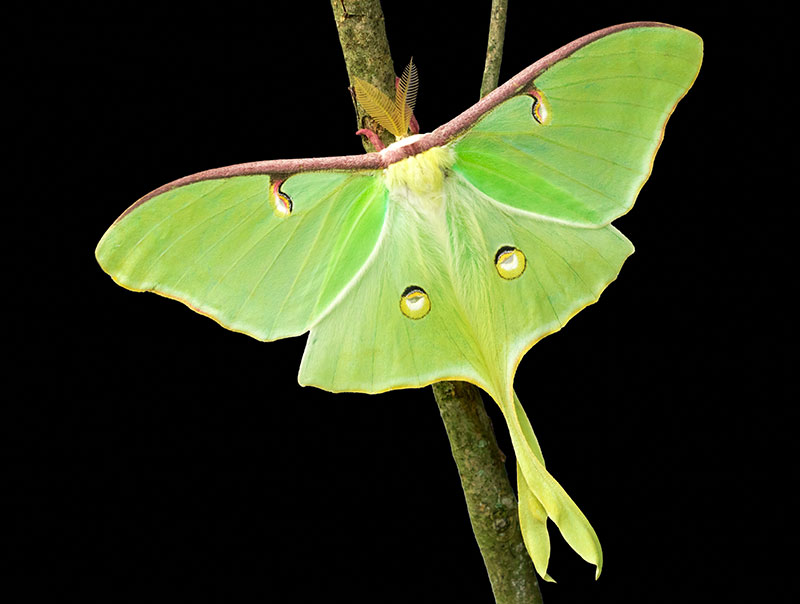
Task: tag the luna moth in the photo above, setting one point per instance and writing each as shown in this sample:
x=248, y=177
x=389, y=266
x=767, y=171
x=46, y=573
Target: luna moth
x=444, y=256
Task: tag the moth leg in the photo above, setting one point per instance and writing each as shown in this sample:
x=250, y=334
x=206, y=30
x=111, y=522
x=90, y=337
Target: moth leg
x=373, y=138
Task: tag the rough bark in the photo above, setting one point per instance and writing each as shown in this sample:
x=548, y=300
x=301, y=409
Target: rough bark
x=362, y=36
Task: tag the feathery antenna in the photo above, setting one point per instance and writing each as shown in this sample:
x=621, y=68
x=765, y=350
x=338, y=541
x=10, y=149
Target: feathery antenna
x=406, y=93
x=395, y=115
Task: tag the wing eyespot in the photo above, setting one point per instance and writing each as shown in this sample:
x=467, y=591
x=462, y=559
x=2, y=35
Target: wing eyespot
x=510, y=262
x=414, y=302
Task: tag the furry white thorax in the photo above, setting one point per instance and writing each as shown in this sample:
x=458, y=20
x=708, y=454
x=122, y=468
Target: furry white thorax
x=419, y=179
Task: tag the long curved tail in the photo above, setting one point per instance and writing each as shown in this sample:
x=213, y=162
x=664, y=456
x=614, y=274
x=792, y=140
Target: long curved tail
x=541, y=497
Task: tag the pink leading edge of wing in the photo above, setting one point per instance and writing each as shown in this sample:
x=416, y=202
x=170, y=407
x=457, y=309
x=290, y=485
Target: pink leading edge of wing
x=382, y=159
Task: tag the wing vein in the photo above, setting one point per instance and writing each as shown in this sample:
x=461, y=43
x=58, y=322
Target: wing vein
x=196, y=259
x=497, y=134
x=527, y=155
x=594, y=80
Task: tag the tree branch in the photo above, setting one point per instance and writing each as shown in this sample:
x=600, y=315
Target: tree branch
x=362, y=37
x=489, y=496
x=490, y=499
x=494, y=49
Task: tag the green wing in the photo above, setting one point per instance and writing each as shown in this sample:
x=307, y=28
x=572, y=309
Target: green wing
x=606, y=105
x=220, y=247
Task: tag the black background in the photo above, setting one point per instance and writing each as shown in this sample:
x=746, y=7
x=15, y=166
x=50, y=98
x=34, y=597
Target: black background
x=157, y=457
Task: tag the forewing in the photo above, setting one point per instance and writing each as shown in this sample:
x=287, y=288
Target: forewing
x=600, y=118
x=221, y=247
